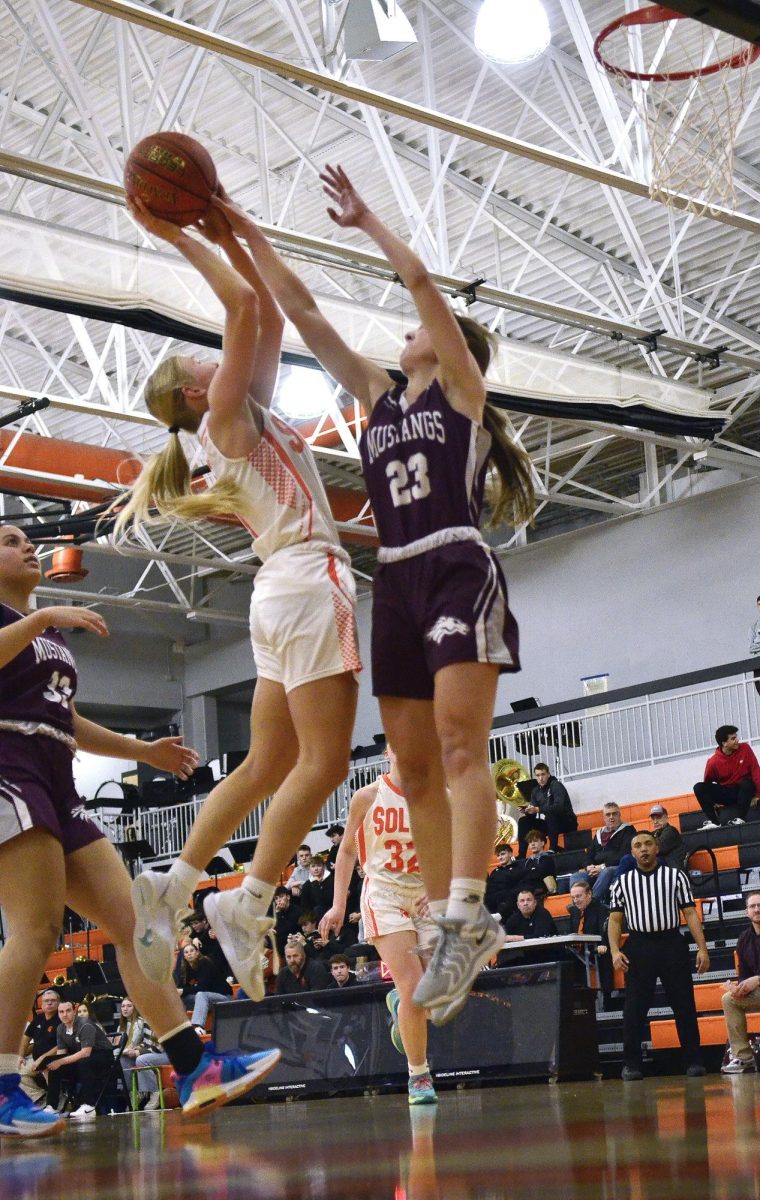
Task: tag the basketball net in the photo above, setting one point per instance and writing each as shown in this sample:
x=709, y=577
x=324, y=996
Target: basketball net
x=688, y=85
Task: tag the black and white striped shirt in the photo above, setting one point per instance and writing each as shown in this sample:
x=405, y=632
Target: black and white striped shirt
x=651, y=900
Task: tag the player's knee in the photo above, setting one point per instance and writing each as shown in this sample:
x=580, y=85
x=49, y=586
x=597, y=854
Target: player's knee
x=40, y=933
x=458, y=757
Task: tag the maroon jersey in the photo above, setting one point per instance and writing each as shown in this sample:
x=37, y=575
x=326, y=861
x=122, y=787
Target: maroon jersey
x=424, y=465
x=39, y=683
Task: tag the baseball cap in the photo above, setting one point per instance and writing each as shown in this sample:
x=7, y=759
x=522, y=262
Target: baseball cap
x=658, y=810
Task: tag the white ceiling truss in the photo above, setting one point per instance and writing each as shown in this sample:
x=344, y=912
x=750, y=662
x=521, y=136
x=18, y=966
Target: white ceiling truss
x=524, y=189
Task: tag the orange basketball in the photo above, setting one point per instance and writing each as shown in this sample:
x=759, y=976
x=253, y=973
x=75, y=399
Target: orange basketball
x=173, y=175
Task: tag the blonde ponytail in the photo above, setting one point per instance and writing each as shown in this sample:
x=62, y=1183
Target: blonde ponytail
x=165, y=482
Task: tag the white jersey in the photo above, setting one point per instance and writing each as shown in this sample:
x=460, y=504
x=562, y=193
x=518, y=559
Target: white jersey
x=284, y=498
x=384, y=840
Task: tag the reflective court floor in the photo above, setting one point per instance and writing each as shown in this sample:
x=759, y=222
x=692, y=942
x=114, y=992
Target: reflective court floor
x=654, y=1140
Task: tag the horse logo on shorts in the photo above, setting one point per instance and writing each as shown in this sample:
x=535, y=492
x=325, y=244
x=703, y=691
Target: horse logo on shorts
x=445, y=627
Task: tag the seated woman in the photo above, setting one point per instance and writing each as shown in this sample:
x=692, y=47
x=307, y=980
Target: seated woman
x=200, y=981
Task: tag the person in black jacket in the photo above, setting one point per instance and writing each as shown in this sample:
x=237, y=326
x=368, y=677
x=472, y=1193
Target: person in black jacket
x=317, y=892
x=610, y=843
x=287, y=910
x=588, y=915
x=299, y=973
x=504, y=882
x=670, y=844
x=550, y=809
x=540, y=865
x=530, y=921
x=201, y=982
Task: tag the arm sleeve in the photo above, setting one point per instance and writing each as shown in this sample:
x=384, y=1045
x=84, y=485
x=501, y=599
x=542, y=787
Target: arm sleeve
x=87, y=1035
x=616, y=898
x=668, y=840
x=684, y=894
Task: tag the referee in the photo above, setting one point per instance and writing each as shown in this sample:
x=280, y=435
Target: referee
x=650, y=897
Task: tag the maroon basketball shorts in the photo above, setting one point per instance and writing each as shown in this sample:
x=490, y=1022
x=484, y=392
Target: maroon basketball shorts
x=445, y=606
x=37, y=791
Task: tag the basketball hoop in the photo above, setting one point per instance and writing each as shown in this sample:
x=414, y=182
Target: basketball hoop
x=688, y=83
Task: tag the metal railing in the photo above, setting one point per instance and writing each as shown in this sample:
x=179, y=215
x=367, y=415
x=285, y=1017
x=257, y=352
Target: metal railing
x=588, y=738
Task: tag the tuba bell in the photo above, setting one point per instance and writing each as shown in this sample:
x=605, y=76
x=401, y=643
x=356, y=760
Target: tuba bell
x=507, y=773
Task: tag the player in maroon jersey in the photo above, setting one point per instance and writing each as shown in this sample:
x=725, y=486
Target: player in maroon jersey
x=52, y=853
x=442, y=630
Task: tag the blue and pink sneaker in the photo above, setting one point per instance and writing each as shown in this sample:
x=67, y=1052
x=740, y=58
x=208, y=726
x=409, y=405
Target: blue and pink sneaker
x=19, y=1117
x=219, y=1078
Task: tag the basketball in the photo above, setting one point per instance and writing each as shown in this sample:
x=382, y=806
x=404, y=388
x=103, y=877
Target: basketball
x=173, y=175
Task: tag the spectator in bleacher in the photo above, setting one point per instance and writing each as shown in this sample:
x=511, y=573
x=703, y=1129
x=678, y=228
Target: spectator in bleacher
x=84, y=1060
x=314, y=946
x=504, y=882
x=335, y=834
x=299, y=973
x=340, y=969
x=550, y=808
x=530, y=921
x=39, y=1045
x=201, y=984
x=731, y=783
x=651, y=898
x=286, y=914
x=590, y=916
x=207, y=942
x=743, y=996
x=607, y=848
x=540, y=865
x=149, y=1097
x=670, y=845
x=300, y=872
x=317, y=892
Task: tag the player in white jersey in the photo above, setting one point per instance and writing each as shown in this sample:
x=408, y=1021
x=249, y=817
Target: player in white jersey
x=303, y=625
x=394, y=910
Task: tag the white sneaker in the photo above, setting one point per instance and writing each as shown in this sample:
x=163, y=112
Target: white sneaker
x=737, y=1066
x=159, y=917
x=153, y=1103
x=462, y=950
x=241, y=933
x=85, y=1112
x=707, y=825
x=736, y=821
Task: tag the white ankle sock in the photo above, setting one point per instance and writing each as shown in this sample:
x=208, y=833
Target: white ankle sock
x=183, y=879
x=465, y=899
x=437, y=907
x=422, y=1069
x=260, y=892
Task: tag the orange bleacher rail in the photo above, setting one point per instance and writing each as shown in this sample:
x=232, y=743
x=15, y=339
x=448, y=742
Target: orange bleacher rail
x=725, y=856
x=638, y=814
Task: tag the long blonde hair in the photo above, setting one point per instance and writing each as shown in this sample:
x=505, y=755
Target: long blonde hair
x=165, y=482
x=513, y=484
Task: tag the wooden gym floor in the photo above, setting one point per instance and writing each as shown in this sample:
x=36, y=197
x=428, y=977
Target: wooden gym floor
x=660, y=1139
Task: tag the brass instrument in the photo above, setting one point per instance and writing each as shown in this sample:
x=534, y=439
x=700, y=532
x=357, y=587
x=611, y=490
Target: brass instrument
x=507, y=773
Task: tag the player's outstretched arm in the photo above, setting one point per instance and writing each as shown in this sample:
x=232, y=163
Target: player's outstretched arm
x=460, y=374
x=357, y=374
x=345, y=861
x=216, y=227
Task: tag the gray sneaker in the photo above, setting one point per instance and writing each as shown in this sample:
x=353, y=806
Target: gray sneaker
x=241, y=934
x=159, y=917
x=463, y=949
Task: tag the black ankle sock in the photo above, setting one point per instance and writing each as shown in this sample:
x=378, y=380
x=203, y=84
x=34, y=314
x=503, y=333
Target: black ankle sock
x=184, y=1050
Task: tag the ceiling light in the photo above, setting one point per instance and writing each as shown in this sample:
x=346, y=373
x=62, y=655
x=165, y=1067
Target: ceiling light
x=512, y=31
x=303, y=394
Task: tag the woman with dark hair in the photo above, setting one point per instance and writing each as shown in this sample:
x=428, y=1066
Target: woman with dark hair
x=52, y=853
x=302, y=619
x=442, y=630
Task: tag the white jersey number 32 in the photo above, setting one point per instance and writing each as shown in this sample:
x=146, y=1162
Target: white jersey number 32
x=408, y=481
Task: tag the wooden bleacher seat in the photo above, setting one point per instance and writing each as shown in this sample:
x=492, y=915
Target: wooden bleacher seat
x=712, y=1031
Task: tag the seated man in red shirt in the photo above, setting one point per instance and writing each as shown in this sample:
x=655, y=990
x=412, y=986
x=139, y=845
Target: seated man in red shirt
x=731, y=783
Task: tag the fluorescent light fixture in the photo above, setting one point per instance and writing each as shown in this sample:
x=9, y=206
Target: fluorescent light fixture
x=303, y=394
x=512, y=31
x=375, y=29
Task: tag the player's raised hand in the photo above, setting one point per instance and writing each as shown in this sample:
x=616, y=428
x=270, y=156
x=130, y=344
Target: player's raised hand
x=350, y=209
